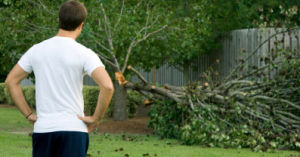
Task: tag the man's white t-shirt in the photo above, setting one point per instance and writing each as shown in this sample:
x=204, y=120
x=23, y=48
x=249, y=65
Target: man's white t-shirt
x=59, y=64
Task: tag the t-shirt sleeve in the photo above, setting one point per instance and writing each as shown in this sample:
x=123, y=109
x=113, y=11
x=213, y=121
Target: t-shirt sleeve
x=92, y=61
x=25, y=61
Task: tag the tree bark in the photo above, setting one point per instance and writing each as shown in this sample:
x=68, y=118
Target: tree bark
x=120, y=105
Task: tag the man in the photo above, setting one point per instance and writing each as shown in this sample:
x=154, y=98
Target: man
x=59, y=63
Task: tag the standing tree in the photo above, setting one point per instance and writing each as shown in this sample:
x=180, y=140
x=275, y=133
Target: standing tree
x=120, y=33
x=114, y=29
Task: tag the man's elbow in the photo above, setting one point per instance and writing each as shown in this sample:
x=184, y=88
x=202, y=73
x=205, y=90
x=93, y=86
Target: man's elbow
x=109, y=88
x=7, y=81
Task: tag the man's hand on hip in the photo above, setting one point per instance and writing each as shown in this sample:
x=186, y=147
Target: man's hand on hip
x=32, y=118
x=90, y=121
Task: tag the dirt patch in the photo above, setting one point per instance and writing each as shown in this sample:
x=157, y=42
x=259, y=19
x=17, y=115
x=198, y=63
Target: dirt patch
x=13, y=107
x=22, y=132
x=136, y=125
x=8, y=106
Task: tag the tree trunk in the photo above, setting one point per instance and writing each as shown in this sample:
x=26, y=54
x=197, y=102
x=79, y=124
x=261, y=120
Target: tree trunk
x=120, y=106
x=186, y=72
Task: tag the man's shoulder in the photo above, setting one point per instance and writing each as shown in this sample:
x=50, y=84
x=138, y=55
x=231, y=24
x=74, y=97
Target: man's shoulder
x=79, y=45
x=74, y=44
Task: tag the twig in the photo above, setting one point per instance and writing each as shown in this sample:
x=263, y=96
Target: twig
x=224, y=80
x=280, y=100
x=99, y=25
x=147, y=96
x=214, y=114
x=259, y=69
x=42, y=5
x=29, y=23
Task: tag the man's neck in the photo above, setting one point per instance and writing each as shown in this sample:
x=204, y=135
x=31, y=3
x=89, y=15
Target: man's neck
x=70, y=34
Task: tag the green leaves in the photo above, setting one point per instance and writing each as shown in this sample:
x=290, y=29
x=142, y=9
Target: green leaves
x=6, y=2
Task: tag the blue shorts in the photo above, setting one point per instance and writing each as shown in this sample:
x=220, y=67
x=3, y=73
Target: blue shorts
x=60, y=144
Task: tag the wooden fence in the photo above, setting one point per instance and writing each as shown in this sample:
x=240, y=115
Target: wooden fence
x=237, y=45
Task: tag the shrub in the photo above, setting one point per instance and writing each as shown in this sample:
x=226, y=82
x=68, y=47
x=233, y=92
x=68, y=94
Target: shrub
x=134, y=100
x=90, y=97
x=29, y=94
x=166, y=119
x=2, y=95
x=7, y=97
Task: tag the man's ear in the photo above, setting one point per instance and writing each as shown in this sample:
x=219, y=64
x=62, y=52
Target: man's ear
x=81, y=25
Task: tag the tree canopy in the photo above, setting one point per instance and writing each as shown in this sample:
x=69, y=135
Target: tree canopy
x=193, y=27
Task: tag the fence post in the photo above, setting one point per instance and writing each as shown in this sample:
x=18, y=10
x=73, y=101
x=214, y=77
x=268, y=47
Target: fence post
x=153, y=75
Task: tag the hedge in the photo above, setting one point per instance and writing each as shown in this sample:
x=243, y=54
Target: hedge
x=29, y=94
x=90, y=97
x=2, y=95
x=7, y=97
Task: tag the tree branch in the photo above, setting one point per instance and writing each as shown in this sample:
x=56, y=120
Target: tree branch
x=104, y=48
x=99, y=25
x=139, y=3
x=147, y=12
x=29, y=23
x=106, y=60
x=147, y=96
x=134, y=43
x=119, y=16
x=159, y=91
x=138, y=74
x=42, y=5
x=280, y=100
x=107, y=28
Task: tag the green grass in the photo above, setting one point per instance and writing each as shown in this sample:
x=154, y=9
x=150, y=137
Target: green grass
x=15, y=145
x=19, y=145
x=13, y=120
x=151, y=145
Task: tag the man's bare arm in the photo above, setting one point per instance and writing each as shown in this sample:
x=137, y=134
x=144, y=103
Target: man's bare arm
x=105, y=84
x=16, y=75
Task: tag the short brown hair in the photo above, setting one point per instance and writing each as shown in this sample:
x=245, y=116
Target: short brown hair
x=71, y=15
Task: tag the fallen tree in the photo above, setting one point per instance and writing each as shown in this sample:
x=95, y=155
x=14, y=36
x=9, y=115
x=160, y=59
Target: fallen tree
x=249, y=108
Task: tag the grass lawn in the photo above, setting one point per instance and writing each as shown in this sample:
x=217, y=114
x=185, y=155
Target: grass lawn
x=13, y=143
